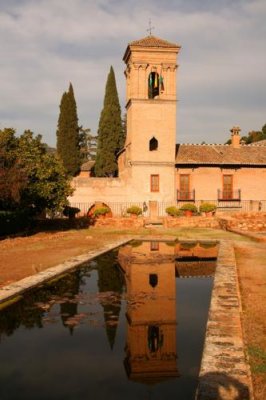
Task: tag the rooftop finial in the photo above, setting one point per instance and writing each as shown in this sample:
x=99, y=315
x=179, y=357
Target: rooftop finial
x=150, y=27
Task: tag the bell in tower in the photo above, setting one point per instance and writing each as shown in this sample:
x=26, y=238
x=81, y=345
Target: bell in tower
x=150, y=148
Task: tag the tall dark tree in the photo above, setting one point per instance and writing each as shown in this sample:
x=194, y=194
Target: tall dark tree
x=110, y=280
x=124, y=131
x=110, y=132
x=68, y=138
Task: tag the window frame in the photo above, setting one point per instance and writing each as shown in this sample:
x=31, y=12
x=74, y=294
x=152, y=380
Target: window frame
x=155, y=186
x=181, y=190
x=231, y=185
x=154, y=245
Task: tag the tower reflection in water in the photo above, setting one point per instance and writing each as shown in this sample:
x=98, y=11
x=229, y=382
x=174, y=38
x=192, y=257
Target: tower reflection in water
x=149, y=268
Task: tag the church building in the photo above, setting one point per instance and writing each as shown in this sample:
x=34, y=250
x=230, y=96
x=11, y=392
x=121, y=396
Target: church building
x=154, y=171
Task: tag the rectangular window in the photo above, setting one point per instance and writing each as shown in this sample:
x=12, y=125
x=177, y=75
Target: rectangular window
x=154, y=183
x=227, y=187
x=154, y=246
x=184, y=186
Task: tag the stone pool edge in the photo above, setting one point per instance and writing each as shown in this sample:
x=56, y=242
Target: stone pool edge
x=224, y=371
x=9, y=292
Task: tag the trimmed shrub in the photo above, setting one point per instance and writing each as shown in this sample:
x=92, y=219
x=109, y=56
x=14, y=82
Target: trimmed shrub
x=70, y=212
x=189, y=207
x=101, y=211
x=13, y=221
x=173, y=211
x=134, y=210
x=207, y=207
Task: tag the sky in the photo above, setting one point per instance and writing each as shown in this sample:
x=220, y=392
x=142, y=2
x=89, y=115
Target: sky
x=45, y=44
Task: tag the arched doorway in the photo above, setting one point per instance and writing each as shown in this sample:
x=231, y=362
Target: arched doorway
x=98, y=205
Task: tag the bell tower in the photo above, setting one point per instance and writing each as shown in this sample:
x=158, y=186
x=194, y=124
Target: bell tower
x=149, y=157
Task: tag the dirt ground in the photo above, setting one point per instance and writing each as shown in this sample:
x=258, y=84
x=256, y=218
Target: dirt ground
x=24, y=256
x=251, y=263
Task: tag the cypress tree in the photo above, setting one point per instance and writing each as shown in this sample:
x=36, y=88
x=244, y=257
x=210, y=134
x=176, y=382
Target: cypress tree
x=110, y=133
x=110, y=280
x=67, y=133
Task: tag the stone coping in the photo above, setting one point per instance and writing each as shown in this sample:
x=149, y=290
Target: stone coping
x=251, y=235
x=224, y=372
x=17, y=288
x=9, y=292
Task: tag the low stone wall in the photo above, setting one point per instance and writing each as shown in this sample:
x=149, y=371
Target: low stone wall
x=122, y=223
x=195, y=222
x=224, y=372
x=247, y=222
x=251, y=222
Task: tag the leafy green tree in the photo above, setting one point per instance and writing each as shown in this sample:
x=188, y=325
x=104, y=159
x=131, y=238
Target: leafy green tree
x=88, y=145
x=30, y=177
x=255, y=136
x=263, y=129
x=68, y=138
x=47, y=186
x=13, y=177
x=110, y=132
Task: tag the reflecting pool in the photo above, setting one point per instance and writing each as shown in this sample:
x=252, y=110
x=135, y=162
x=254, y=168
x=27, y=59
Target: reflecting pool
x=129, y=324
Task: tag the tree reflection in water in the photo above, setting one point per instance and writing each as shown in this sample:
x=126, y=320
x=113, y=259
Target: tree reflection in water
x=141, y=278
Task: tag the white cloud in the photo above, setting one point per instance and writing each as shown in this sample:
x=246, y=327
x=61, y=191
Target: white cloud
x=48, y=43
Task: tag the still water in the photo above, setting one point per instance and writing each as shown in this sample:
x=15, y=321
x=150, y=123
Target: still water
x=128, y=325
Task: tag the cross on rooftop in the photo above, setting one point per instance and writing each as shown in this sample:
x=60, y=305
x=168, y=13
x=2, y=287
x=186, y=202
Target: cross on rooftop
x=150, y=27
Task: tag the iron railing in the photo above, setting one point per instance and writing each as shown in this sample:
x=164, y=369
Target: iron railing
x=229, y=195
x=119, y=208
x=185, y=195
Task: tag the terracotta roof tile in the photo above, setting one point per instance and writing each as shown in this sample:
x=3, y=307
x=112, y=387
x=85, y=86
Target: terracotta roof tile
x=220, y=154
x=259, y=143
x=152, y=41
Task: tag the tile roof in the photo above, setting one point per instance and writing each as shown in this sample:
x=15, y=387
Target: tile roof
x=152, y=41
x=259, y=143
x=220, y=155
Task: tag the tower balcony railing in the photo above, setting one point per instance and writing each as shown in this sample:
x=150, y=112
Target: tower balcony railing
x=183, y=195
x=229, y=195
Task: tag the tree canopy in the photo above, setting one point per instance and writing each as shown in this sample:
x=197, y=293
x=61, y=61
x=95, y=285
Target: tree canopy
x=88, y=145
x=13, y=176
x=253, y=136
x=68, y=138
x=110, y=131
x=30, y=177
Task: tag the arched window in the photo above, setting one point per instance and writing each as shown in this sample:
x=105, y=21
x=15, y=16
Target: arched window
x=153, y=280
x=153, y=144
x=153, y=85
x=155, y=338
